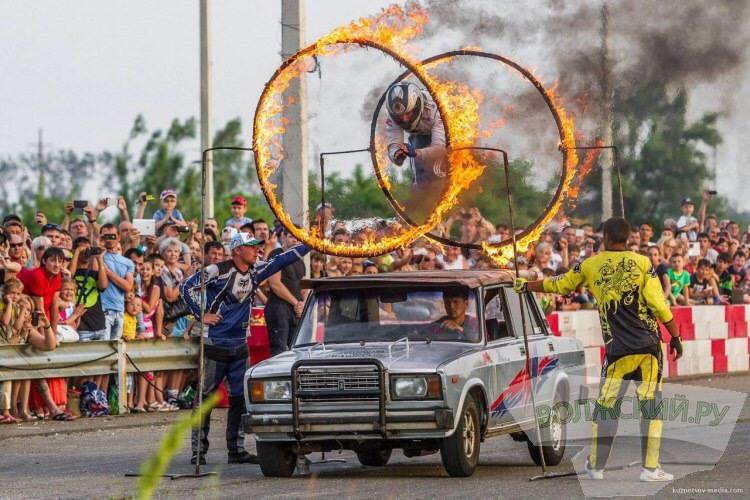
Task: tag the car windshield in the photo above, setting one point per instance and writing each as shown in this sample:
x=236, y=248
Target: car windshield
x=380, y=314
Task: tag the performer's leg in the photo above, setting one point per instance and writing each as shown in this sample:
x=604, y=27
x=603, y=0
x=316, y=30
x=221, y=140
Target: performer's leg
x=652, y=412
x=604, y=427
x=213, y=373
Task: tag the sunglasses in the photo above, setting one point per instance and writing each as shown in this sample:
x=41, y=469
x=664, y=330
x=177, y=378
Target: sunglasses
x=16, y=245
x=41, y=247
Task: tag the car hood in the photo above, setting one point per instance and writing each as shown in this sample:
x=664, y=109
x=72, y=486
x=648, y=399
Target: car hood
x=419, y=357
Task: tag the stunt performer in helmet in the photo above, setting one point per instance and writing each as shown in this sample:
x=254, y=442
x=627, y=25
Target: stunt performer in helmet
x=413, y=110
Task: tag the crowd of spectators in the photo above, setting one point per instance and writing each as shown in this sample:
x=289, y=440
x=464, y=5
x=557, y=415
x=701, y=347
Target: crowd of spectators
x=82, y=281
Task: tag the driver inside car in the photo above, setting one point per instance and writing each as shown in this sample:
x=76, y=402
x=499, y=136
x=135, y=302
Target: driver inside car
x=456, y=302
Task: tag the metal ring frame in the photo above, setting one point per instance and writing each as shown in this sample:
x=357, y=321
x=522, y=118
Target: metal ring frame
x=547, y=98
x=321, y=245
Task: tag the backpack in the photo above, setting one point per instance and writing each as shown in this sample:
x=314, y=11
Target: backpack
x=93, y=401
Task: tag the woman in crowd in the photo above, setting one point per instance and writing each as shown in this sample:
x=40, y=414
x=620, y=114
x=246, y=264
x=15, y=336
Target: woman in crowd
x=175, y=318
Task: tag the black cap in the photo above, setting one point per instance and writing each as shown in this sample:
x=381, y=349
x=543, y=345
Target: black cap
x=686, y=201
x=11, y=217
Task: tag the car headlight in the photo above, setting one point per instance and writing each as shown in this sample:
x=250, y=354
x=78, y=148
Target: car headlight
x=270, y=390
x=416, y=387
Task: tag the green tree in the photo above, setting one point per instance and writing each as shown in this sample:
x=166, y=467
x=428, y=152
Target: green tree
x=662, y=155
x=29, y=185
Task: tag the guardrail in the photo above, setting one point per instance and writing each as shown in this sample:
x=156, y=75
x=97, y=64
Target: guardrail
x=76, y=359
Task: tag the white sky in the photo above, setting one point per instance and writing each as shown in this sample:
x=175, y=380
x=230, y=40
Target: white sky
x=83, y=70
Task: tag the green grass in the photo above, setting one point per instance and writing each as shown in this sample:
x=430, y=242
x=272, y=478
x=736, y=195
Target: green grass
x=153, y=468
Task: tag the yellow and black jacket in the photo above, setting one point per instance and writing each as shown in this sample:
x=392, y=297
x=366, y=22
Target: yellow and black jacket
x=629, y=297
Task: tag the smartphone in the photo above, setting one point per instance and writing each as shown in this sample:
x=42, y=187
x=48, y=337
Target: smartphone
x=183, y=229
x=112, y=201
x=78, y=206
x=712, y=192
x=148, y=197
x=35, y=318
x=579, y=233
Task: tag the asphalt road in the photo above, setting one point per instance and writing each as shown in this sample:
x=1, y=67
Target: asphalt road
x=89, y=459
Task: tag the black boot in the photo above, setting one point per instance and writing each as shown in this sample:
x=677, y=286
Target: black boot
x=242, y=458
x=235, y=436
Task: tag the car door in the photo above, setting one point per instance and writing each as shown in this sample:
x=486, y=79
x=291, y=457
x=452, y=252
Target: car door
x=508, y=356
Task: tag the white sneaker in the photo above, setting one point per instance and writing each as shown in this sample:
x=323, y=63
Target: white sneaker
x=593, y=473
x=656, y=475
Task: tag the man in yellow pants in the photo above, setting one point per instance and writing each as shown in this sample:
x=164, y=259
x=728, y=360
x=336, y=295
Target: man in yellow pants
x=629, y=298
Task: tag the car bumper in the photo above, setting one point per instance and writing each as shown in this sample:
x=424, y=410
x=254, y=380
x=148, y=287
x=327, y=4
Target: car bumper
x=337, y=424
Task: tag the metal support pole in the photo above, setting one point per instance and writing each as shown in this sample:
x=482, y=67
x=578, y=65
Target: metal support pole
x=607, y=161
x=523, y=315
x=293, y=179
x=205, y=69
x=122, y=377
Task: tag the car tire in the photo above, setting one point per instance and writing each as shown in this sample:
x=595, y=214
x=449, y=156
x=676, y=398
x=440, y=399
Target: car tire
x=374, y=458
x=276, y=459
x=555, y=434
x=460, y=451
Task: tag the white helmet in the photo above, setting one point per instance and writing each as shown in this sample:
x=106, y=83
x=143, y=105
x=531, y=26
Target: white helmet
x=405, y=104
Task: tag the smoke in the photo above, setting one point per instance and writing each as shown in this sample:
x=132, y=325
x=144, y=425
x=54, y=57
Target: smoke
x=672, y=42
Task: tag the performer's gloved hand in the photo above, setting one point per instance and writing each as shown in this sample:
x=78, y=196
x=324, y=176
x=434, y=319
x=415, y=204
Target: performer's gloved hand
x=675, y=347
x=400, y=154
x=519, y=285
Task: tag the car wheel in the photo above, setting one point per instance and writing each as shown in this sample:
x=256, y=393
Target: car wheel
x=554, y=435
x=276, y=459
x=374, y=458
x=460, y=452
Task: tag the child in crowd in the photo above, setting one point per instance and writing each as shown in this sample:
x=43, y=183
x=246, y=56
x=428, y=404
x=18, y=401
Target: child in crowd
x=9, y=335
x=679, y=279
x=168, y=213
x=703, y=286
x=133, y=308
x=68, y=312
x=152, y=317
x=724, y=280
x=239, y=207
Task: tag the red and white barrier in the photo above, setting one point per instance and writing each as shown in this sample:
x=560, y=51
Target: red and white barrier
x=714, y=338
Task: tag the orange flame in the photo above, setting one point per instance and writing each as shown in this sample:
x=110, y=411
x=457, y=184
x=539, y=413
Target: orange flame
x=389, y=30
x=459, y=108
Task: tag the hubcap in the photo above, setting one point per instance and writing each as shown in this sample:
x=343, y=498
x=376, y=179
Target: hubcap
x=556, y=431
x=469, y=432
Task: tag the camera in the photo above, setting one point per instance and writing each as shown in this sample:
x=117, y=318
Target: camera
x=35, y=318
x=712, y=192
x=183, y=229
x=78, y=206
x=109, y=237
x=94, y=251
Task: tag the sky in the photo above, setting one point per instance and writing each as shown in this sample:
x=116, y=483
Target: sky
x=82, y=71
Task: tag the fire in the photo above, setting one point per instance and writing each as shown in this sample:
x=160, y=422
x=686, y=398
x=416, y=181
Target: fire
x=389, y=32
x=584, y=170
x=504, y=254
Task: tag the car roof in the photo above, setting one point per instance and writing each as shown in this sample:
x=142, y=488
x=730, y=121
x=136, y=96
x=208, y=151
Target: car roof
x=471, y=279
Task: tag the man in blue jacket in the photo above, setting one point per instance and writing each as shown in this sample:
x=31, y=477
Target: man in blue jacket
x=230, y=288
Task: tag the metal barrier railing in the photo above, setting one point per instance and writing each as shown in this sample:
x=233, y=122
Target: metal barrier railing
x=77, y=359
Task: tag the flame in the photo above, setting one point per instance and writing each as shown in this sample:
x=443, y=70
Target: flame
x=389, y=31
x=504, y=254
x=459, y=108
x=583, y=171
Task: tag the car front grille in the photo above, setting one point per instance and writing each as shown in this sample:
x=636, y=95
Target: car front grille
x=339, y=382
